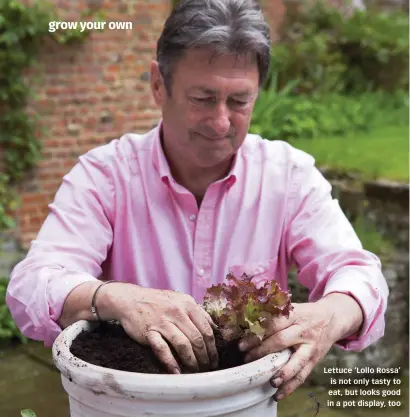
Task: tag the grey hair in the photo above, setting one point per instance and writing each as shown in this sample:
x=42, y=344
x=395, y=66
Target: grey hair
x=233, y=27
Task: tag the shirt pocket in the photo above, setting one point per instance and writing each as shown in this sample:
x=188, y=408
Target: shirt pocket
x=261, y=271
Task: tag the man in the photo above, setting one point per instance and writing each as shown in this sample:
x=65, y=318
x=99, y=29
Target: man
x=178, y=207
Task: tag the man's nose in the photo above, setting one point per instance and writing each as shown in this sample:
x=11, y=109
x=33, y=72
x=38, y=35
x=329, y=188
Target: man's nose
x=220, y=120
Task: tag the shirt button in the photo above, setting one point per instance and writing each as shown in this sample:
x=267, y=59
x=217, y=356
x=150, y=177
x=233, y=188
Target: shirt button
x=201, y=272
x=192, y=217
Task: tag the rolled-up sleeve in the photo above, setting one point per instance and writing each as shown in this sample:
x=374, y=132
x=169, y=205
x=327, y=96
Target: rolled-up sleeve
x=329, y=255
x=69, y=249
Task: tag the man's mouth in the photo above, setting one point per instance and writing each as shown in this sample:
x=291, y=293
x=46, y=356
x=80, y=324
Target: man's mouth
x=213, y=138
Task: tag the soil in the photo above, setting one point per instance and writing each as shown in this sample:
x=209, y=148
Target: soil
x=109, y=346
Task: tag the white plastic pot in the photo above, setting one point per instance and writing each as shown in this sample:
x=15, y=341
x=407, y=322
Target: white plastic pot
x=94, y=391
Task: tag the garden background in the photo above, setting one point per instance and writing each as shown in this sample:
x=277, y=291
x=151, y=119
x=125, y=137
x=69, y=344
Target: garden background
x=338, y=89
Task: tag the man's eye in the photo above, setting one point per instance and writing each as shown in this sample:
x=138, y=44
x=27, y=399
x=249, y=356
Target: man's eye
x=203, y=100
x=239, y=103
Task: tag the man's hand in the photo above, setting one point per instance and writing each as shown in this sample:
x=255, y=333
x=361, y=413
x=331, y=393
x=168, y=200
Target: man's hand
x=311, y=330
x=152, y=317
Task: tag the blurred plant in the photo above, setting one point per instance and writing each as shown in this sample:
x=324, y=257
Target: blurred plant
x=28, y=413
x=280, y=114
x=271, y=108
x=8, y=329
x=22, y=30
x=372, y=240
x=330, y=50
x=8, y=203
x=375, y=47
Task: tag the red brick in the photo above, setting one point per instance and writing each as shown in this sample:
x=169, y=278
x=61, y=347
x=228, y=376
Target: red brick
x=52, y=186
x=67, y=143
x=50, y=175
x=50, y=143
x=29, y=199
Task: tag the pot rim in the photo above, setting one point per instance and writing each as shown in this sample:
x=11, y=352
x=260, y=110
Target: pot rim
x=123, y=383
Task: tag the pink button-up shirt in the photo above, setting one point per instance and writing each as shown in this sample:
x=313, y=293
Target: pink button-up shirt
x=119, y=214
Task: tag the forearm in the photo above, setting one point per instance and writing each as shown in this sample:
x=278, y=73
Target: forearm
x=77, y=305
x=346, y=314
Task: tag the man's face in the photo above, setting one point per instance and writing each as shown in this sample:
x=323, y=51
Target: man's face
x=207, y=116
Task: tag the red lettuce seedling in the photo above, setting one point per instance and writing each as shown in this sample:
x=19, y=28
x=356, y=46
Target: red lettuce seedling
x=239, y=307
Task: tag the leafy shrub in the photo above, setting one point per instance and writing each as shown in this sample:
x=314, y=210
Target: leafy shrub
x=8, y=329
x=280, y=115
x=330, y=51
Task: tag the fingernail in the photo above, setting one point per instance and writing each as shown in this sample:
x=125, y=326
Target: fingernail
x=276, y=382
x=277, y=397
x=242, y=346
x=206, y=367
x=176, y=371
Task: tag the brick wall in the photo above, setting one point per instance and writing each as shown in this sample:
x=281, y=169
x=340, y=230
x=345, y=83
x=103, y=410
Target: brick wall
x=92, y=93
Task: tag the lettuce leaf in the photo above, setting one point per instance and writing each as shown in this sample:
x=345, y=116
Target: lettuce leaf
x=239, y=307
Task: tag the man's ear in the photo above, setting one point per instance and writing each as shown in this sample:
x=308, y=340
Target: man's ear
x=157, y=84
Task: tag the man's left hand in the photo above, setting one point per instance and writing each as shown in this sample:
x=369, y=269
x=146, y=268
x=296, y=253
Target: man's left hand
x=311, y=330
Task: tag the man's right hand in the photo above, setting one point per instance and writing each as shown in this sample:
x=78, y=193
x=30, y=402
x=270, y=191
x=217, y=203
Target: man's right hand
x=152, y=317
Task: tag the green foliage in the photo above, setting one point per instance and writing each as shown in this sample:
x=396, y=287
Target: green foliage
x=22, y=30
x=8, y=329
x=8, y=203
x=280, y=114
x=28, y=413
x=76, y=35
x=20, y=35
x=367, y=231
x=334, y=52
x=372, y=240
x=376, y=47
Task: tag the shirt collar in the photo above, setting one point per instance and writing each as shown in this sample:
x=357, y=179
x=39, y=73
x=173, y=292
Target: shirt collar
x=162, y=166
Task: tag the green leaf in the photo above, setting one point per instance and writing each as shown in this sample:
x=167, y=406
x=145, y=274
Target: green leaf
x=28, y=413
x=256, y=328
x=8, y=222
